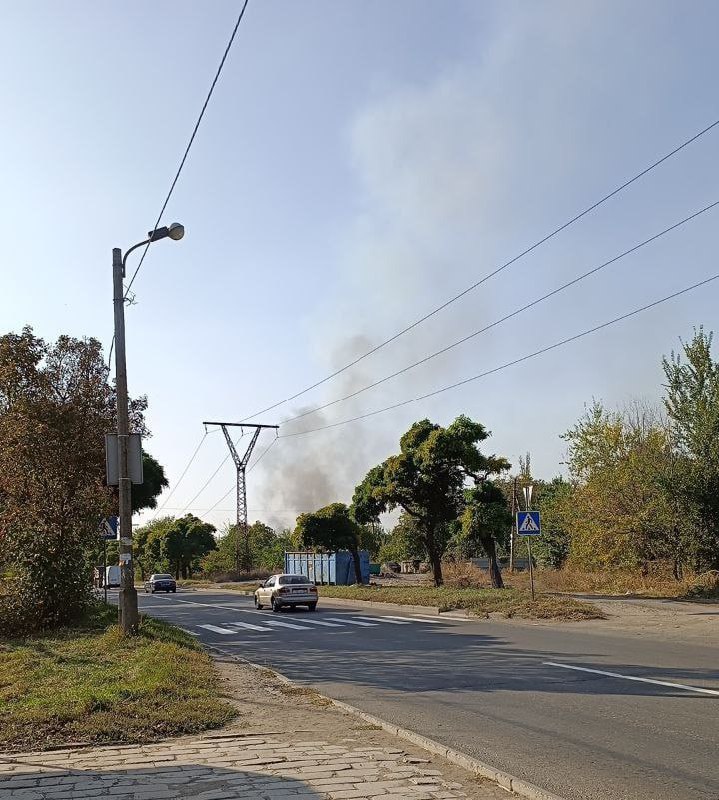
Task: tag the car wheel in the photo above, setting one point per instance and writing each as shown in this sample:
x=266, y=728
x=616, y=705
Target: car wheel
x=258, y=605
x=312, y=606
x=152, y=591
x=275, y=605
x=173, y=591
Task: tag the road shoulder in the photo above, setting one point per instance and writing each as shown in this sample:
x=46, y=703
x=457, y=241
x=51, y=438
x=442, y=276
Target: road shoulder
x=287, y=741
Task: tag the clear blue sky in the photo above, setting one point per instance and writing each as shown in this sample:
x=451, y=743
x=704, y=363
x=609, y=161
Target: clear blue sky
x=360, y=162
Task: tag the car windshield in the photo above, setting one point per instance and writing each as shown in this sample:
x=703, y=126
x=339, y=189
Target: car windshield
x=285, y=579
x=162, y=577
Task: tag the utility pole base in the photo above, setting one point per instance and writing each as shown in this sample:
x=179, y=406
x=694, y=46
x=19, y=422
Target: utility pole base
x=127, y=613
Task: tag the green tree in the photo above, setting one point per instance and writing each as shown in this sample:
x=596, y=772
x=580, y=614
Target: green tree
x=185, y=542
x=692, y=403
x=56, y=405
x=551, y=549
x=427, y=479
x=619, y=511
x=148, y=546
x=332, y=528
x=267, y=550
x=154, y=481
x=404, y=542
x=485, y=522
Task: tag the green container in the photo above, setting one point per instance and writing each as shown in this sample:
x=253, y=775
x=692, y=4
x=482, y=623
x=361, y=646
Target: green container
x=374, y=569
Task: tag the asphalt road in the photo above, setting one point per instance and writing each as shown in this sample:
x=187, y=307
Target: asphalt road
x=533, y=700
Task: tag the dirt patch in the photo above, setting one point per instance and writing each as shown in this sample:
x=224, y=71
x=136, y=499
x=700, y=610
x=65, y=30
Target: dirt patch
x=674, y=620
x=261, y=700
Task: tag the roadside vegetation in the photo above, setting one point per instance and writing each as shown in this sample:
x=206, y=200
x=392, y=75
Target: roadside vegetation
x=86, y=682
x=483, y=602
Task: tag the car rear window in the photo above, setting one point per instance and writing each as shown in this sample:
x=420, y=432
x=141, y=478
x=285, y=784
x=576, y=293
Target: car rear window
x=163, y=577
x=292, y=579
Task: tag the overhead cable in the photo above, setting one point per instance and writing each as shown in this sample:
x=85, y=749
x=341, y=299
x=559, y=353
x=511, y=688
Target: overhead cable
x=491, y=274
x=192, y=138
x=508, y=364
x=514, y=313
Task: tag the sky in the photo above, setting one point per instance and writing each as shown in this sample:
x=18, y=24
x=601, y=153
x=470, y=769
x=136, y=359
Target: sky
x=359, y=164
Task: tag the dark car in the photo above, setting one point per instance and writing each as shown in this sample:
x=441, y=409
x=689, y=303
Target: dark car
x=160, y=583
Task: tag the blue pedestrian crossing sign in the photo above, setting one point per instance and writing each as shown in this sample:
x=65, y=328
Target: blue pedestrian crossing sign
x=109, y=528
x=528, y=523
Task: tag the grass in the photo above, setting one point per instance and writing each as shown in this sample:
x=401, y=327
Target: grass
x=89, y=683
x=658, y=583
x=508, y=602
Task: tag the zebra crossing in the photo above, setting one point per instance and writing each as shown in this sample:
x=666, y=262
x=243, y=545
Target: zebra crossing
x=305, y=623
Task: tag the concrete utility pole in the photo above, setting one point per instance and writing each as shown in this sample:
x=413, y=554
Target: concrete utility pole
x=243, y=557
x=127, y=601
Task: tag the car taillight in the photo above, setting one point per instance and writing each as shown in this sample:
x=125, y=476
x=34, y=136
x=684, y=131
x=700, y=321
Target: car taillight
x=284, y=591
x=313, y=589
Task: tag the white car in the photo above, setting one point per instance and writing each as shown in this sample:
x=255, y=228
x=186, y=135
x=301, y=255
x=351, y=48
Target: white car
x=282, y=591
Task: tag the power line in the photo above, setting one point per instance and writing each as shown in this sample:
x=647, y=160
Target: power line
x=185, y=154
x=179, y=480
x=192, y=138
x=496, y=271
x=515, y=313
x=516, y=361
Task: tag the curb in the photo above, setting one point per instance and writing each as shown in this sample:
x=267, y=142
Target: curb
x=376, y=604
x=503, y=779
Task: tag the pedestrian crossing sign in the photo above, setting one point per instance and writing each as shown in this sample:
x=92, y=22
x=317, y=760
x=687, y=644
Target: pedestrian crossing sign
x=528, y=523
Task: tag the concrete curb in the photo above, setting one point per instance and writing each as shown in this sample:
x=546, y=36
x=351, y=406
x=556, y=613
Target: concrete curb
x=504, y=779
x=430, y=610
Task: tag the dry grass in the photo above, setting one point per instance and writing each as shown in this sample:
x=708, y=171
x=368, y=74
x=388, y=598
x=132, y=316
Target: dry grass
x=89, y=683
x=505, y=602
x=658, y=583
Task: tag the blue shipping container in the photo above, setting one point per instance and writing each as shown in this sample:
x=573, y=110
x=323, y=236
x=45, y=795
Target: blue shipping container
x=332, y=568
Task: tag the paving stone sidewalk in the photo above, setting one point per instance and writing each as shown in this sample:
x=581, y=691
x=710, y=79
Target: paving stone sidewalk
x=223, y=767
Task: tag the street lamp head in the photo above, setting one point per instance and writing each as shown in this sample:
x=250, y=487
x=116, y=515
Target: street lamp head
x=176, y=231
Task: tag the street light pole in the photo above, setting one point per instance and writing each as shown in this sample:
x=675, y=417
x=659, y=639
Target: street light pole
x=128, y=616
x=127, y=601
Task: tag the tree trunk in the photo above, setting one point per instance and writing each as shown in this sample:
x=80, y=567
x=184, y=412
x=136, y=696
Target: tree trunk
x=357, y=566
x=177, y=570
x=436, y=568
x=495, y=573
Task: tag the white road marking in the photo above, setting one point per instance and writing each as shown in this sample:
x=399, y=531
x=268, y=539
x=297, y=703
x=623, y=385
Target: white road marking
x=249, y=626
x=421, y=618
x=287, y=625
x=216, y=629
x=322, y=622
x=352, y=622
x=191, y=633
x=388, y=620
x=683, y=686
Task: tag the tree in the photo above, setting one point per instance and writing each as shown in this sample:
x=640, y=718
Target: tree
x=551, y=549
x=485, y=521
x=148, y=546
x=692, y=403
x=154, y=481
x=56, y=405
x=332, y=528
x=620, y=513
x=427, y=479
x=267, y=550
x=403, y=542
x=186, y=541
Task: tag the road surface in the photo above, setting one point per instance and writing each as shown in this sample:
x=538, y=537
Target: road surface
x=579, y=713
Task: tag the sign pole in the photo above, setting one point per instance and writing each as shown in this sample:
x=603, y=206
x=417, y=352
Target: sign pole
x=531, y=569
x=104, y=574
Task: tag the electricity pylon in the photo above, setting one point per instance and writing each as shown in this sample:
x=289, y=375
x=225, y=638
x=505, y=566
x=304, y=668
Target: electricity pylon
x=243, y=557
